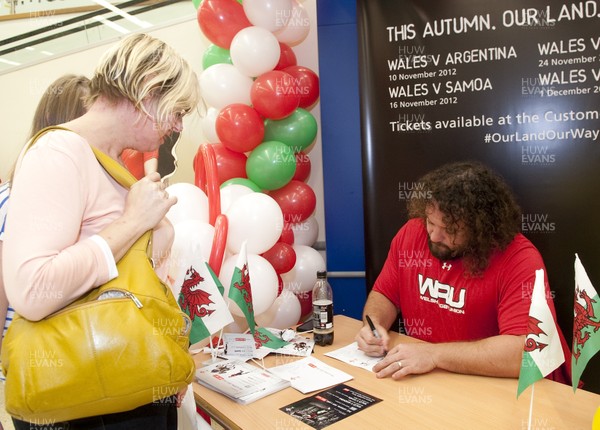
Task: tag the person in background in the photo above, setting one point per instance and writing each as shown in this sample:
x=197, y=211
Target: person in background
x=70, y=222
x=63, y=100
x=461, y=275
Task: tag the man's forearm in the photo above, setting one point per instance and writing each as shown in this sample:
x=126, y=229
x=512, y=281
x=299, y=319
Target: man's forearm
x=380, y=309
x=498, y=356
x=494, y=356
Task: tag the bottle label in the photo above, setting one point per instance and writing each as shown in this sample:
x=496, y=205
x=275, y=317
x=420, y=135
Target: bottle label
x=323, y=316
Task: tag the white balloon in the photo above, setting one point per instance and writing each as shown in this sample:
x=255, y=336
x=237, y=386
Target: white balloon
x=239, y=325
x=303, y=275
x=283, y=313
x=192, y=239
x=192, y=203
x=297, y=26
x=263, y=282
x=268, y=14
x=208, y=125
x=223, y=84
x=254, y=51
x=306, y=232
x=255, y=218
x=231, y=193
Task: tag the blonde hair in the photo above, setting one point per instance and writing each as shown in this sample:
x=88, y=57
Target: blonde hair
x=142, y=68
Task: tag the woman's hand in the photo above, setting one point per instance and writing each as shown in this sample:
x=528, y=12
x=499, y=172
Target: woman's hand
x=148, y=201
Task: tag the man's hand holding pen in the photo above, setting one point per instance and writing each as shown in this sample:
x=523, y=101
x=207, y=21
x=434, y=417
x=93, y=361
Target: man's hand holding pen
x=373, y=339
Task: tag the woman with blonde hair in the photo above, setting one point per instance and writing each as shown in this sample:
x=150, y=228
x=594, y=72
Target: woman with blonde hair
x=70, y=221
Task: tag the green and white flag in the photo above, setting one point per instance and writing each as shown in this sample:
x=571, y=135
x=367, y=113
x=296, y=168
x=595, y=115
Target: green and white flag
x=542, y=352
x=265, y=337
x=240, y=291
x=202, y=300
x=586, y=324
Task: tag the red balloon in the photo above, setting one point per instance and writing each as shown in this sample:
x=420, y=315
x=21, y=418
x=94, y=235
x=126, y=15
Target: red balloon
x=279, y=285
x=287, y=234
x=296, y=199
x=211, y=182
x=281, y=256
x=306, y=83
x=230, y=164
x=240, y=127
x=306, y=308
x=287, y=57
x=273, y=94
x=302, y=166
x=220, y=20
x=218, y=246
x=134, y=161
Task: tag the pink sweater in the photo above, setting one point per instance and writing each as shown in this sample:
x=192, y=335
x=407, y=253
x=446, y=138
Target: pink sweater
x=61, y=197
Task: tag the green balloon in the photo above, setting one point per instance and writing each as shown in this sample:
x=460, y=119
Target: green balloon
x=297, y=130
x=242, y=181
x=215, y=55
x=271, y=165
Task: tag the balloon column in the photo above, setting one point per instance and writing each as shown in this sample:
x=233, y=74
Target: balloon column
x=260, y=132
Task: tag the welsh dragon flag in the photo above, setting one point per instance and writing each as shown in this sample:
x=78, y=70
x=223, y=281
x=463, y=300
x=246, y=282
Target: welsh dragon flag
x=240, y=291
x=586, y=325
x=201, y=298
x=265, y=337
x=542, y=352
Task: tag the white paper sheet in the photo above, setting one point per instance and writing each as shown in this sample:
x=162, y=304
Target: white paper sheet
x=309, y=374
x=352, y=355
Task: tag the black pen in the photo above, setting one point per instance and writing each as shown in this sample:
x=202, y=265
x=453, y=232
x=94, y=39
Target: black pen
x=374, y=331
x=372, y=326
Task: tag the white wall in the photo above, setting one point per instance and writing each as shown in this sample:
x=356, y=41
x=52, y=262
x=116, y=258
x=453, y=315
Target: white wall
x=21, y=90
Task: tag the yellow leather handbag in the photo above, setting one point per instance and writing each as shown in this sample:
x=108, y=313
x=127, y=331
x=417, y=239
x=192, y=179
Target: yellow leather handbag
x=123, y=345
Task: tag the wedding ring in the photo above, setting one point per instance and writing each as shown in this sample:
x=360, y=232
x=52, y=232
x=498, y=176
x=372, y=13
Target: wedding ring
x=399, y=363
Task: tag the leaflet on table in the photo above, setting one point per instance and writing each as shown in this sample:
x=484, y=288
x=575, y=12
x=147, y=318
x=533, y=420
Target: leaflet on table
x=239, y=345
x=352, y=355
x=330, y=406
x=240, y=381
x=310, y=374
x=299, y=346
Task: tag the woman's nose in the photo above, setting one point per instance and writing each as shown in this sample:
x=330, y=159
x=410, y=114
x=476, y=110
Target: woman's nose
x=178, y=125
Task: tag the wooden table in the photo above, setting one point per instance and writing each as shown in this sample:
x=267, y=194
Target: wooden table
x=437, y=400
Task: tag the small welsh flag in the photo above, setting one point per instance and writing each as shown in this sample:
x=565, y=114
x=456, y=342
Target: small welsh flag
x=202, y=300
x=543, y=351
x=240, y=291
x=586, y=324
x=265, y=337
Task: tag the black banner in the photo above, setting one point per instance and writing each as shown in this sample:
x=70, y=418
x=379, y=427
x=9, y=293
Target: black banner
x=513, y=84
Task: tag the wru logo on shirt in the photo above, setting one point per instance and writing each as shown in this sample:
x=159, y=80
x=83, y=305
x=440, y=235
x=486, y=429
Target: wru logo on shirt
x=446, y=296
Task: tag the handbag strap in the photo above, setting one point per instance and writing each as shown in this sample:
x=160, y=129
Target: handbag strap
x=118, y=172
x=125, y=178
x=32, y=141
x=114, y=169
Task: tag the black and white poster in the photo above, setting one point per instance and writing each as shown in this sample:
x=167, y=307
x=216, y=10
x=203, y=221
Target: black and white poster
x=513, y=84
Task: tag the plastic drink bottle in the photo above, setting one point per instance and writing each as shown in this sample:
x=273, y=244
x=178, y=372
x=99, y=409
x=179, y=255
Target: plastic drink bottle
x=322, y=300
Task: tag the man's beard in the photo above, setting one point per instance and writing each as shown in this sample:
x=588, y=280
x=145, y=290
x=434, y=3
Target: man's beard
x=442, y=252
